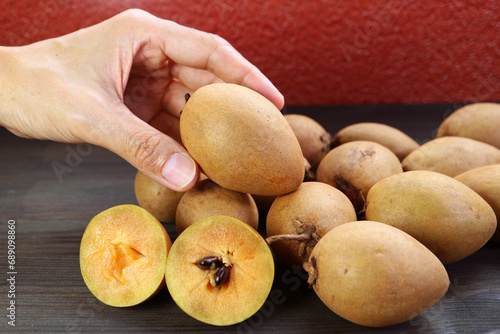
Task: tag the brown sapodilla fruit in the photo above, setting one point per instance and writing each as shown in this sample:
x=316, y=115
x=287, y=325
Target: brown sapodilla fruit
x=264, y=202
x=296, y=221
x=241, y=140
x=375, y=275
x=445, y=215
x=314, y=140
x=479, y=121
x=354, y=167
x=485, y=181
x=157, y=199
x=123, y=253
x=451, y=155
x=207, y=199
x=220, y=271
x=392, y=138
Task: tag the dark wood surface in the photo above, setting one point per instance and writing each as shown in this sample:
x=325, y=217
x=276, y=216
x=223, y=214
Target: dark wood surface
x=51, y=214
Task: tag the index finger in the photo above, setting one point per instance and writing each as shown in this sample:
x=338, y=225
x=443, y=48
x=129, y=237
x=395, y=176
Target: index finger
x=201, y=50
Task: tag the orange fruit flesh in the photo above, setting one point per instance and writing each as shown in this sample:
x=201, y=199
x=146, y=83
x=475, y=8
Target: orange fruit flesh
x=123, y=254
x=238, y=246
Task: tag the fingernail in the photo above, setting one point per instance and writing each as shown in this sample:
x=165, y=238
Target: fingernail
x=179, y=170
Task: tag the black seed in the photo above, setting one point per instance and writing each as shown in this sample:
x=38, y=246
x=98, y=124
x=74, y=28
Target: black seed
x=210, y=262
x=222, y=275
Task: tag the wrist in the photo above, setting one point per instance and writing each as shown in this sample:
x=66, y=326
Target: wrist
x=7, y=67
x=15, y=95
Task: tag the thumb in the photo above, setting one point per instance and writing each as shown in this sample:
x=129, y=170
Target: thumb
x=154, y=153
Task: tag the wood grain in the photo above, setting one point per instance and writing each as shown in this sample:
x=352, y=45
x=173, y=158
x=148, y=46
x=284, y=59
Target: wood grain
x=51, y=215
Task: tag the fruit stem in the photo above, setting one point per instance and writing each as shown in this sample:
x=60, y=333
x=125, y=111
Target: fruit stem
x=328, y=142
x=310, y=268
x=281, y=237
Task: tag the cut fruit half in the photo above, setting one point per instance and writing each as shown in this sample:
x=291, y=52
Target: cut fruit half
x=220, y=271
x=123, y=254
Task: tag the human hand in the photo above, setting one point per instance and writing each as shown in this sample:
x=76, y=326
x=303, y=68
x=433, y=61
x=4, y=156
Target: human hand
x=121, y=84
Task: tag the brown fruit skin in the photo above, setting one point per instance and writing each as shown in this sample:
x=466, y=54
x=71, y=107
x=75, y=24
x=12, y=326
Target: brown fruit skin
x=451, y=156
x=208, y=199
x=155, y=198
x=375, y=275
x=314, y=208
x=445, y=215
x=354, y=167
x=314, y=140
x=265, y=202
x=479, y=121
x=394, y=139
x=241, y=140
x=486, y=182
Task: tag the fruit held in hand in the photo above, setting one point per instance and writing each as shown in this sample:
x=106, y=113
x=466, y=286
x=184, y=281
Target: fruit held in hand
x=296, y=221
x=449, y=218
x=157, y=199
x=208, y=199
x=375, y=275
x=241, y=140
x=123, y=254
x=220, y=271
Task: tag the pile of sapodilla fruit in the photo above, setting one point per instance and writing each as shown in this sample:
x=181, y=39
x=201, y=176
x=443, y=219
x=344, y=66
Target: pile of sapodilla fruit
x=368, y=213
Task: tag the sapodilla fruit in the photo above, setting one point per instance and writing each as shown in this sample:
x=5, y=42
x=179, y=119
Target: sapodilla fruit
x=241, y=140
x=123, y=253
x=375, y=275
x=208, y=199
x=296, y=221
x=354, y=167
x=485, y=181
x=394, y=139
x=479, y=121
x=264, y=202
x=155, y=198
x=220, y=271
x=445, y=215
x=314, y=140
x=451, y=155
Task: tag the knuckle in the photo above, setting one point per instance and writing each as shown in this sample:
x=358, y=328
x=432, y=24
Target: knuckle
x=144, y=149
x=134, y=14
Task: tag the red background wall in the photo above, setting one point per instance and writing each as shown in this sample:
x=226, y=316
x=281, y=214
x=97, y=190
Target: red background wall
x=320, y=52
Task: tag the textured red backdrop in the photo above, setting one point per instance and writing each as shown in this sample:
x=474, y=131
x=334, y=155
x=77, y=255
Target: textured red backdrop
x=320, y=52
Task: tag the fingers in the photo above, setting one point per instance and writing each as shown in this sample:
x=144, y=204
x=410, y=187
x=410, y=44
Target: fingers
x=204, y=51
x=174, y=99
x=192, y=77
x=149, y=150
x=166, y=122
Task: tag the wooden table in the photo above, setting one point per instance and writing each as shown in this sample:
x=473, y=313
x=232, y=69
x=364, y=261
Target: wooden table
x=50, y=212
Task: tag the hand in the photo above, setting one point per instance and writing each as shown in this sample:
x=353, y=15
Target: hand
x=121, y=84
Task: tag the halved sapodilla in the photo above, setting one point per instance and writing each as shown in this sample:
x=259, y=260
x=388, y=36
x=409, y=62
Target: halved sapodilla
x=241, y=140
x=123, y=254
x=220, y=271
